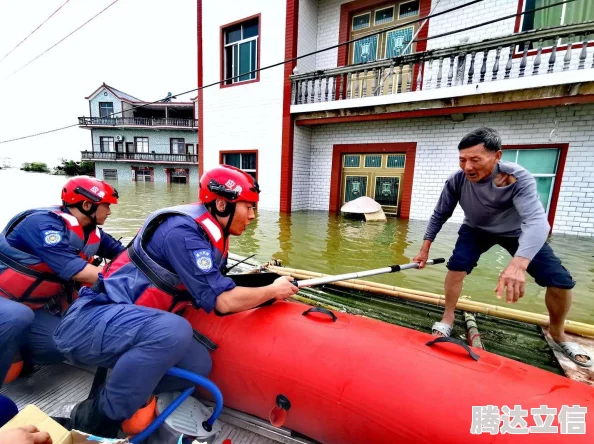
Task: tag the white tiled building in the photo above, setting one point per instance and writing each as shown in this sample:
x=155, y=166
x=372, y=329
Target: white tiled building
x=139, y=141
x=382, y=116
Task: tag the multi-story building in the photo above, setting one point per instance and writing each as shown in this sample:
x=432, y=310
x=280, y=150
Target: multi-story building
x=382, y=115
x=136, y=140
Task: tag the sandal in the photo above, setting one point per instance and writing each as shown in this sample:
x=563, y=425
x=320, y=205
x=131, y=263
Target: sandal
x=571, y=350
x=440, y=327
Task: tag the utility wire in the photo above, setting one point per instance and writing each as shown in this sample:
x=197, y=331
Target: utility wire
x=60, y=41
x=33, y=32
x=316, y=52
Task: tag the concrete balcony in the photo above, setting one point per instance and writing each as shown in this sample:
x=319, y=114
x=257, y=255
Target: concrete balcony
x=511, y=72
x=137, y=122
x=139, y=157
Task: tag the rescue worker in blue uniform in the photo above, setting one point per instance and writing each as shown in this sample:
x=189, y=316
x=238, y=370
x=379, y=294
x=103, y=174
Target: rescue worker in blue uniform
x=129, y=320
x=43, y=253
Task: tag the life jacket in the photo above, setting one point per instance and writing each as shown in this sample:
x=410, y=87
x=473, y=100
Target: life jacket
x=134, y=277
x=25, y=278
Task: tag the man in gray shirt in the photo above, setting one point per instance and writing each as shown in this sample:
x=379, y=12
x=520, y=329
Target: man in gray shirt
x=501, y=207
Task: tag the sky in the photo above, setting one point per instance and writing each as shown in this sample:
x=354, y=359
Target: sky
x=145, y=48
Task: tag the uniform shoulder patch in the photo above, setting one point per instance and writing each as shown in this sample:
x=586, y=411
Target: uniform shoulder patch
x=51, y=237
x=203, y=259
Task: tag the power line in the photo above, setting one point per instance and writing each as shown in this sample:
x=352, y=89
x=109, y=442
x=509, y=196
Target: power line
x=32, y=32
x=60, y=41
x=322, y=50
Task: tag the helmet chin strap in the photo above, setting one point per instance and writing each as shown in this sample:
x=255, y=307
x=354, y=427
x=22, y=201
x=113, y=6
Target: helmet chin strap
x=228, y=211
x=91, y=213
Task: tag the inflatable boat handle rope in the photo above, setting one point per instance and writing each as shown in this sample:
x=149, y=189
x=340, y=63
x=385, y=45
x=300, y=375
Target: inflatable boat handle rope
x=196, y=379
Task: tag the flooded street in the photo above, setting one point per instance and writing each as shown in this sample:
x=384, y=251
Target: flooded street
x=324, y=243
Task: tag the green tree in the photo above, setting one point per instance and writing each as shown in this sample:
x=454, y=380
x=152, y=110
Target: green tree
x=72, y=168
x=38, y=167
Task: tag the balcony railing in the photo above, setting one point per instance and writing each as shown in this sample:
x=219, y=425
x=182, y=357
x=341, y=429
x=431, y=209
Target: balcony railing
x=527, y=54
x=137, y=121
x=140, y=157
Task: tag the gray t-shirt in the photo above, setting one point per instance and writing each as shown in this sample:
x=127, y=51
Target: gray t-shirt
x=514, y=210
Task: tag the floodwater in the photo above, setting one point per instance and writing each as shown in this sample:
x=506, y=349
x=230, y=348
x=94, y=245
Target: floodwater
x=325, y=243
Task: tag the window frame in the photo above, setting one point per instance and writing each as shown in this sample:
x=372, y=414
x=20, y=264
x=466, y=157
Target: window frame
x=101, y=138
x=519, y=52
x=223, y=46
x=110, y=114
x=223, y=153
x=177, y=139
x=136, y=144
x=556, y=188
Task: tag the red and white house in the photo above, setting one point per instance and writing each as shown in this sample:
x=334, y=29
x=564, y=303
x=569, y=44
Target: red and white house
x=382, y=116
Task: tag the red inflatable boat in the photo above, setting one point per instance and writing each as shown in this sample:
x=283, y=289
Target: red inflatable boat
x=341, y=378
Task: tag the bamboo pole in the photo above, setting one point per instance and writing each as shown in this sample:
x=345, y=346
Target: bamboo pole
x=437, y=299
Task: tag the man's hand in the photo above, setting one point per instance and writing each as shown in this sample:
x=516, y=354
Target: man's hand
x=512, y=280
x=504, y=180
x=28, y=434
x=283, y=288
x=423, y=255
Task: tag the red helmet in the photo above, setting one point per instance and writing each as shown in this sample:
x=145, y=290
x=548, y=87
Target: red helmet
x=85, y=188
x=229, y=183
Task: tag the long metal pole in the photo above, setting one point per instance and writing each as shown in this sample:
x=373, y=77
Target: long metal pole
x=359, y=274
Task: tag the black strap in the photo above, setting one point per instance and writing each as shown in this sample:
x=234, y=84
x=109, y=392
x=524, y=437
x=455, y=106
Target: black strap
x=155, y=278
x=456, y=341
x=208, y=343
x=11, y=263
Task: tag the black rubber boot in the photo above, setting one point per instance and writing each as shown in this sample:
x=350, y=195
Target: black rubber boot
x=87, y=417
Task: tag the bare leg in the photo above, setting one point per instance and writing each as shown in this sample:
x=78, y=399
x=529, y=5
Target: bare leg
x=453, y=288
x=558, y=302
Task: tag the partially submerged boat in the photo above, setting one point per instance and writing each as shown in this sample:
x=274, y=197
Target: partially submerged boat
x=321, y=369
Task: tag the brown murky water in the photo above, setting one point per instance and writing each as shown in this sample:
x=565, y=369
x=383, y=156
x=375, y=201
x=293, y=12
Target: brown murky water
x=325, y=243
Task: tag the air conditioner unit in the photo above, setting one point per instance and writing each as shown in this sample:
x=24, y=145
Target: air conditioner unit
x=119, y=138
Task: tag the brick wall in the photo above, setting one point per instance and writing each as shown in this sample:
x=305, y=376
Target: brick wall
x=301, y=168
x=328, y=27
x=436, y=156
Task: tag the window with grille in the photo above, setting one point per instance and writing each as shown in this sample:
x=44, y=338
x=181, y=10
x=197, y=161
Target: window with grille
x=355, y=187
x=241, y=51
x=389, y=44
x=373, y=161
x=395, y=161
x=352, y=161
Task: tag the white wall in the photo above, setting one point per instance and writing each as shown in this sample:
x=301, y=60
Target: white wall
x=246, y=116
x=436, y=156
x=307, y=34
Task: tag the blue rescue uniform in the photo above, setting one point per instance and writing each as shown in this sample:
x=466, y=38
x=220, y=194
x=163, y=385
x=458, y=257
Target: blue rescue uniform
x=47, y=237
x=127, y=325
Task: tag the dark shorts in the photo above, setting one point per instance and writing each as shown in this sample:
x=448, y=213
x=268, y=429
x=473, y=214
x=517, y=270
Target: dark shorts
x=545, y=267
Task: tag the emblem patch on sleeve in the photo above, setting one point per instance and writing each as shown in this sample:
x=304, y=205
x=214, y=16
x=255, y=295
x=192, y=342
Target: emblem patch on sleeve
x=203, y=259
x=51, y=237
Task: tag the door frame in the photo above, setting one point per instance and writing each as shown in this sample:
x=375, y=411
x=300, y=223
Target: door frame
x=407, y=148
